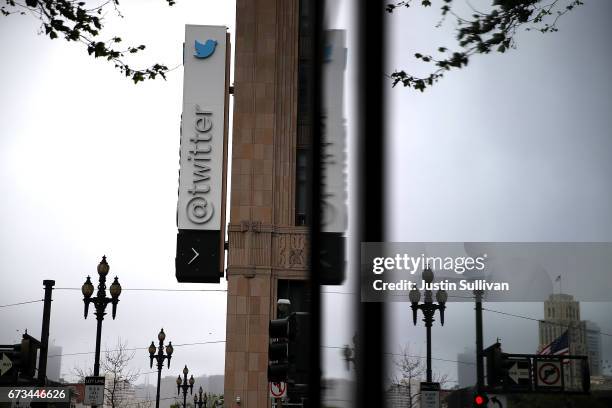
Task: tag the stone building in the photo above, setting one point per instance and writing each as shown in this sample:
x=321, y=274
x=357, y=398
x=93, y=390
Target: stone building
x=561, y=313
x=267, y=253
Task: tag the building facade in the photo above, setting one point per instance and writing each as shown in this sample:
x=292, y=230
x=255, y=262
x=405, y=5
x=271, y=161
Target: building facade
x=268, y=245
x=561, y=313
x=593, y=340
x=466, y=368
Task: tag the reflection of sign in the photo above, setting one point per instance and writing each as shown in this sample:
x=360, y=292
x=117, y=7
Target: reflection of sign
x=497, y=401
x=5, y=364
x=278, y=389
x=430, y=395
x=519, y=371
x=94, y=391
x=548, y=373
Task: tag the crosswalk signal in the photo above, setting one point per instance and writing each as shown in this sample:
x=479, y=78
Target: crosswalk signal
x=279, y=332
x=481, y=400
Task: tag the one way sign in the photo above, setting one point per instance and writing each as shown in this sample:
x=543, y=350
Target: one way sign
x=5, y=364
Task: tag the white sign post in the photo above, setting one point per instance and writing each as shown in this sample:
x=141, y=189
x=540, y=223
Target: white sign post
x=94, y=391
x=430, y=395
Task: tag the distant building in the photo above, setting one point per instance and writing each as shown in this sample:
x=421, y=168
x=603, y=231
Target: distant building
x=593, y=340
x=403, y=395
x=466, y=368
x=124, y=393
x=562, y=313
x=54, y=364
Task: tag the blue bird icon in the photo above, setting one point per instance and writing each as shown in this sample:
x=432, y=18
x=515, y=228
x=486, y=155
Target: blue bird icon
x=206, y=49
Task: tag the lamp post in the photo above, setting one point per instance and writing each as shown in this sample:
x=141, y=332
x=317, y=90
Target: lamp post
x=100, y=301
x=202, y=401
x=185, y=385
x=159, y=357
x=428, y=307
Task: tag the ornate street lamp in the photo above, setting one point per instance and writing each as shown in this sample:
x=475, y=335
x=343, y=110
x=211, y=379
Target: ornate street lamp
x=160, y=357
x=429, y=309
x=185, y=385
x=202, y=401
x=100, y=301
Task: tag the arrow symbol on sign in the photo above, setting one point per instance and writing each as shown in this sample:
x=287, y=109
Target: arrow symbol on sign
x=5, y=364
x=517, y=373
x=194, y=257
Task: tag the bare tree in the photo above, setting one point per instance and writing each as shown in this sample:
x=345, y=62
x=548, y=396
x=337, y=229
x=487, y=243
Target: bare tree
x=412, y=369
x=119, y=377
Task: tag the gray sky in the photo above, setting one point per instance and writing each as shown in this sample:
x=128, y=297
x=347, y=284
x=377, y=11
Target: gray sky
x=89, y=166
x=515, y=147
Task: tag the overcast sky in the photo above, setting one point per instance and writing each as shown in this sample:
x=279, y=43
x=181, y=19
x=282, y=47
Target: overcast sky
x=515, y=147
x=89, y=166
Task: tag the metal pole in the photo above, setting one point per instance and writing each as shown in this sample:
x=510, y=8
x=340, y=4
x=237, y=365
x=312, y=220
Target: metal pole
x=99, y=317
x=44, y=333
x=428, y=326
x=159, y=368
x=185, y=395
x=479, y=346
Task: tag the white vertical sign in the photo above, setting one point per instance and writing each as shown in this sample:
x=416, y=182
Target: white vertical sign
x=203, y=130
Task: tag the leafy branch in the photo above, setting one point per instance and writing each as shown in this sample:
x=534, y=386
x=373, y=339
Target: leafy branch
x=75, y=21
x=482, y=33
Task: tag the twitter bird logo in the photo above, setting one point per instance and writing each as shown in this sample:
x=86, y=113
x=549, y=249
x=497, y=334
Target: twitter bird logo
x=204, y=50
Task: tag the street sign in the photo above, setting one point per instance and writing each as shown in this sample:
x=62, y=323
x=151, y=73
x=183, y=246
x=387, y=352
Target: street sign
x=519, y=371
x=94, y=391
x=430, y=395
x=5, y=364
x=497, y=401
x=549, y=374
x=278, y=389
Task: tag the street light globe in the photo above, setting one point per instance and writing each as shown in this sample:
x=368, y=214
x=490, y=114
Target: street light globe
x=103, y=267
x=115, y=288
x=152, y=348
x=185, y=370
x=178, y=380
x=88, y=288
x=441, y=296
x=191, y=380
x=161, y=336
x=169, y=349
x=428, y=275
x=414, y=296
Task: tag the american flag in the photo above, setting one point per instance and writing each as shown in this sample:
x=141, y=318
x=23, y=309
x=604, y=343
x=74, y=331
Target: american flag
x=558, y=347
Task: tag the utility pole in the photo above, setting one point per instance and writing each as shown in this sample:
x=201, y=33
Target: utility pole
x=44, y=333
x=479, y=347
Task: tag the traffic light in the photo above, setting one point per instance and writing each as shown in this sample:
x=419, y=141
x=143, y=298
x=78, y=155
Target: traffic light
x=279, y=331
x=288, y=359
x=481, y=399
x=497, y=365
x=299, y=340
